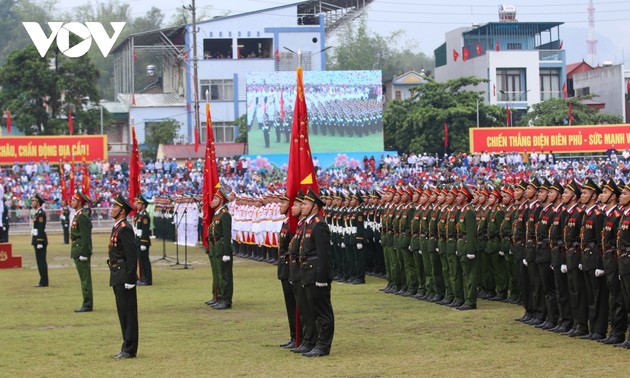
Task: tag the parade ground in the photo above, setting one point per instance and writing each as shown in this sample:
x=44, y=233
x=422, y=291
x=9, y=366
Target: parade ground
x=376, y=334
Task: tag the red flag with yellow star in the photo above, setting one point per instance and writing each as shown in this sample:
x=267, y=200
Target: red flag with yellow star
x=211, y=182
x=301, y=173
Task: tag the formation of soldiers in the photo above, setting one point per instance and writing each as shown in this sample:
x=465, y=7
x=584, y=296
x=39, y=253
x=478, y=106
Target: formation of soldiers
x=560, y=250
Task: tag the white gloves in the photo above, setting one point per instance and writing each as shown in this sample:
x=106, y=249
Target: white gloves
x=380, y=242
x=510, y=252
x=551, y=266
x=139, y=233
x=320, y=284
x=410, y=248
x=226, y=258
x=437, y=250
x=470, y=257
x=331, y=242
x=524, y=262
x=83, y=258
x=343, y=245
x=40, y=246
x=34, y=232
x=580, y=266
x=501, y=253
x=129, y=286
x=563, y=268
x=420, y=251
x=359, y=246
x=599, y=272
x=63, y=217
x=143, y=248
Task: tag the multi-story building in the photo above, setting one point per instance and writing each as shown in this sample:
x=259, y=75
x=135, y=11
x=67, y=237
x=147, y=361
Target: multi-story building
x=523, y=62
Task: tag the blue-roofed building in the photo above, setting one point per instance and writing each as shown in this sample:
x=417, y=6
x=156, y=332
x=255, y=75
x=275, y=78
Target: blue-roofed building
x=523, y=62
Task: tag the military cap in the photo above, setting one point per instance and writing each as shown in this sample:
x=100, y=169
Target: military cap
x=612, y=186
x=497, y=193
x=546, y=185
x=37, y=198
x=484, y=191
x=427, y=192
x=574, y=187
x=557, y=186
x=522, y=185
x=437, y=191
x=466, y=191
x=313, y=197
x=140, y=198
x=622, y=185
x=591, y=185
x=284, y=197
x=81, y=197
x=454, y=190
x=323, y=194
x=508, y=190
x=419, y=190
x=123, y=202
x=535, y=183
x=299, y=197
x=357, y=195
x=391, y=189
x=221, y=195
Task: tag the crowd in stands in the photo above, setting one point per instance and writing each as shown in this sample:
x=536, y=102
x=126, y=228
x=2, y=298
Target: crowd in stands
x=170, y=178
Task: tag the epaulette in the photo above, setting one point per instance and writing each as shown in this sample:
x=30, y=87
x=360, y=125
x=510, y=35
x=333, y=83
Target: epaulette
x=316, y=218
x=579, y=209
x=616, y=212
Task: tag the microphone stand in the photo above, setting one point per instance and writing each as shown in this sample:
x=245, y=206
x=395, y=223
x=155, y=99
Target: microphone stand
x=177, y=222
x=164, y=257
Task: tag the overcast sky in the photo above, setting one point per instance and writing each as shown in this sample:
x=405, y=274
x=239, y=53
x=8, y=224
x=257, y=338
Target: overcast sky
x=425, y=22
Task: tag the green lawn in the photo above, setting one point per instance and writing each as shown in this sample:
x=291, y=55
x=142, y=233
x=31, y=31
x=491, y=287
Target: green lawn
x=376, y=334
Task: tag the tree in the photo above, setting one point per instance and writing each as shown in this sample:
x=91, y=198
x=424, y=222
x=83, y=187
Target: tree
x=159, y=133
x=555, y=112
x=40, y=96
x=417, y=124
x=241, y=122
x=359, y=50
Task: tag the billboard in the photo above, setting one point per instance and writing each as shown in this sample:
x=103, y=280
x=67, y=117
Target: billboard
x=52, y=148
x=563, y=139
x=345, y=111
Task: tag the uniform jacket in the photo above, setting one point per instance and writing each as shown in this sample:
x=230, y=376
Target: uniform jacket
x=142, y=226
x=81, y=235
x=220, y=234
x=315, y=252
x=123, y=255
x=39, y=224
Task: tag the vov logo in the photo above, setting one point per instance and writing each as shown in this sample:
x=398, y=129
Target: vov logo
x=88, y=32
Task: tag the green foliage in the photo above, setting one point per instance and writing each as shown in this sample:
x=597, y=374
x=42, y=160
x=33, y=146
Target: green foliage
x=555, y=112
x=158, y=133
x=40, y=106
x=358, y=49
x=417, y=125
x=241, y=122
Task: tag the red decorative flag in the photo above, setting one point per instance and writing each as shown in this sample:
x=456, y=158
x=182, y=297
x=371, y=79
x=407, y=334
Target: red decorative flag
x=570, y=113
x=282, y=105
x=466, y=54
x=196, y=139
x=478, y=49
x=301, y=174
x=277, y=55
x=455, y=55
x=627, y=85
x=445, y=135
x=134, y=168
x=133, y=99
x=497, y=46
x=9, y=122
x=508, y=115
x=85, y=188
x=62, y=182
x=564, y=90
x=135, y=56
x=211, y=182
x=70, y=123
x=71, y=188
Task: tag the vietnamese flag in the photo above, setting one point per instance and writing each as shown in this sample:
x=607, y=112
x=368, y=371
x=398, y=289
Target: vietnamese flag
x=71, y=187
x=508, y=116
x=497, y=46
x=478, y=49
x=196, y=139
x=564, y=90
x=8, y=122
x=466, y=54
x=211, y=182
x=570, y=113
x=301, y=174
x=282, y=106
x=62, y=182
x=277, y=54
x=70, y=124
x=134, y=168
x=85, y=188
x=445, y=135
x=455, y=55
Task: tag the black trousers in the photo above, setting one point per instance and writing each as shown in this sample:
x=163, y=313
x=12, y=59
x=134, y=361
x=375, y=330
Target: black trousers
x=536, y=293
x=307, y=318
x=42, y=265
x=578, y=299
x=618, y=314
x=565, y=315
x=319, y=300
x=145, y=267
x=66, y=235
x=548, y=291
x=127, y=306
x=289, y=302
x=597, y=294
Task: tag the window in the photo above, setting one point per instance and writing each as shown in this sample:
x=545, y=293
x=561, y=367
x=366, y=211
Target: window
x=514, y=46
x=398, y=95
x=220, y=89
x=511, y=84
x=582, y=91
x=224, y=132
x=249, y=48
x=549, y=84
x=217, y=48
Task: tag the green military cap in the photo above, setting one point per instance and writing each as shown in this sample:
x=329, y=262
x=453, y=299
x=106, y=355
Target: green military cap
x=557, y=186
x=123, y=202
x=522, y=185
x=140, y=198
x=37, y=198
x=466, y=191
x=591, y=185
x=221, y=195
x=81, y=197
x=613, y=187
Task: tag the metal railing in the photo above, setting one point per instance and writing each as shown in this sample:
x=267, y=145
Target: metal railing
x=22, y=219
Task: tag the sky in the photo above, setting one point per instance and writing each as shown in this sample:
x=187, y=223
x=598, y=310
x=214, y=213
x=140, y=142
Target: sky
x=424, y=22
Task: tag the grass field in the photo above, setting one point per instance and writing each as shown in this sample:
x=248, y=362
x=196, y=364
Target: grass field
x=377, y=335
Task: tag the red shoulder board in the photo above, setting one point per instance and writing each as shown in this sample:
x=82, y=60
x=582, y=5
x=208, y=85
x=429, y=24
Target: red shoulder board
x=579, y=209
x=317, y=218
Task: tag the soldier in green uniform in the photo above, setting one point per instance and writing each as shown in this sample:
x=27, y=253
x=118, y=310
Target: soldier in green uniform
x=142, y=228
x=220, y=248
x=467, y=248
x=357, y=239
x=81, y=249
x=408, y=264
x=443, y=202
x=571, y=260
x=618, y=319
x=39, y=239
x=65, y=222
x=495, y=263
x=398, y=268
x=506, y=254
x=486, y=277
x=556, y=243
x=622, y=253
x=414, y=241
x=387, y=238
x=591, y=263
x=122, y=262
x=454, y=265
x=424, y=268
x=432, y=246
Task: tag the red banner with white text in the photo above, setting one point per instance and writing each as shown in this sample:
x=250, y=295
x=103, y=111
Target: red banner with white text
x=52, y=148
x=562, y=139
